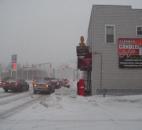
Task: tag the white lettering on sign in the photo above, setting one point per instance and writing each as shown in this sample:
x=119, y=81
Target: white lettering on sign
x=127, y=41
x=128, y=46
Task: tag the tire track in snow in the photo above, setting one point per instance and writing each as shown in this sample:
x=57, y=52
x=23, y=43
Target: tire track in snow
x=14, y=97
x=19, y=107
x=6, y=95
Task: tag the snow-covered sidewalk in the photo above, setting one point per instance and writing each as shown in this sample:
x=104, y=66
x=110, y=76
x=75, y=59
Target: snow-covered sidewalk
x=63, y=110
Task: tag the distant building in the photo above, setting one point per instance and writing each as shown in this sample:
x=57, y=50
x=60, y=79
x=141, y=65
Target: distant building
x=115, y=40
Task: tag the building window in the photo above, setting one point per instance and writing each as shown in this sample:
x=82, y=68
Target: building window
x=139, y=30
x=109, y=33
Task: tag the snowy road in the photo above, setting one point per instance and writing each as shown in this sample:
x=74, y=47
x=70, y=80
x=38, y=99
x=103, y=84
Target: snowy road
x=63, y=110
x=11, y=103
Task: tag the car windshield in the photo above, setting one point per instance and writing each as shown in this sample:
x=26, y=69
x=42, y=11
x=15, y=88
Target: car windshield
x=11, y=80
x=41, y=81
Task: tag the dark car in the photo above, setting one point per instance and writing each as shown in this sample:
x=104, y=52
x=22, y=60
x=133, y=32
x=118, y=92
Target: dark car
x=15, y=85
x=56, y=83
x=66, y=83
x=44, y=86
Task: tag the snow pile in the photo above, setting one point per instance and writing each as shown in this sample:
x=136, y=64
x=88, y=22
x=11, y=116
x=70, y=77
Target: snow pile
x=64, y=110
x=67, y=91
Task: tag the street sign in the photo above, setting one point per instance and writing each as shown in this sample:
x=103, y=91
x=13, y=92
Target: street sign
x=14, y=62
x=82, y=50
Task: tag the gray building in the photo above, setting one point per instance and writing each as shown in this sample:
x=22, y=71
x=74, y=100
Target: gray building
x=107, y=24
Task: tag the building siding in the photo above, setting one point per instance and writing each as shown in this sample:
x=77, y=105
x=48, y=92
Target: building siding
x=110, y=76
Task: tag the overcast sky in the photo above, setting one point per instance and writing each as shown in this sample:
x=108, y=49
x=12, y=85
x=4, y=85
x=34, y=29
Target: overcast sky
x=40, y=31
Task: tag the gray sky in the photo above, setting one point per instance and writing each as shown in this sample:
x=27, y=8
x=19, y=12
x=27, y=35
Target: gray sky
x=40, y=31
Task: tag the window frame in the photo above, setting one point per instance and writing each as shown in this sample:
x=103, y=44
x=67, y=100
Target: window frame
x=137, y=30
x=114, y=33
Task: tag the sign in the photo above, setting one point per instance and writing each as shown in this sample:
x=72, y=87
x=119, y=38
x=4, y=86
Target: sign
x=0, y=69
x=14, y=58
x=14, y=62
x=130, y=52
x=82, y=50
x=14, y=66
x=85, y=63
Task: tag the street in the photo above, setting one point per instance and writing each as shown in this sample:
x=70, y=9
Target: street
x=64, y=110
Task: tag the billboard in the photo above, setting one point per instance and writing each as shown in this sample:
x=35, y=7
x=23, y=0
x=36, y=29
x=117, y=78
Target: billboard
x=130, y=52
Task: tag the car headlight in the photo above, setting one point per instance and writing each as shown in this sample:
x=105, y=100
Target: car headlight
x=35, y=85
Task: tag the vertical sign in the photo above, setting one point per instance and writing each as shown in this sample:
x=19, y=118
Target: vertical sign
x=14, y=62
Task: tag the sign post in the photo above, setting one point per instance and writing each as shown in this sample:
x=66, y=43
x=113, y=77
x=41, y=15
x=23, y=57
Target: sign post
x=84, y=63
x=14, y=65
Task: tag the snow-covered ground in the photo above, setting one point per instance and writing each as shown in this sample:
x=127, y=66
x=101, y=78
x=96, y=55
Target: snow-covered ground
x=64, y=110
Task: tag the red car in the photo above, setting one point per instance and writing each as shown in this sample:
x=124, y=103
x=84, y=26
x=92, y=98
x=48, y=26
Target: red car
x=15, y=85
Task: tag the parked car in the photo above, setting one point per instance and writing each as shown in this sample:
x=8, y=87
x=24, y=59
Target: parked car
x=44, y=86
x=66, y=83
x=15, y=85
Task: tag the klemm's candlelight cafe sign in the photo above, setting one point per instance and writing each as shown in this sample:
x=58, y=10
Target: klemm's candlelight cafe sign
x=130, y=52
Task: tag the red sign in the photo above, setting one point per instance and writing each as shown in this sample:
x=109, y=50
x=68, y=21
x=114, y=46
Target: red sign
x=85, y=63
x=130, y=52
x=14, y=62
x=129, y=46
x=14, y=66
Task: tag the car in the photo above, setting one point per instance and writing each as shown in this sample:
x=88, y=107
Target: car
x=15, y=85
x=66, y=83
x=43, y=86
x=56, y=83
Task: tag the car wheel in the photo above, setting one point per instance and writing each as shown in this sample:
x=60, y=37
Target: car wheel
x=53, y=90
x=22, y=89
x=35, y=92
x=6, y=90
x=28, y=88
